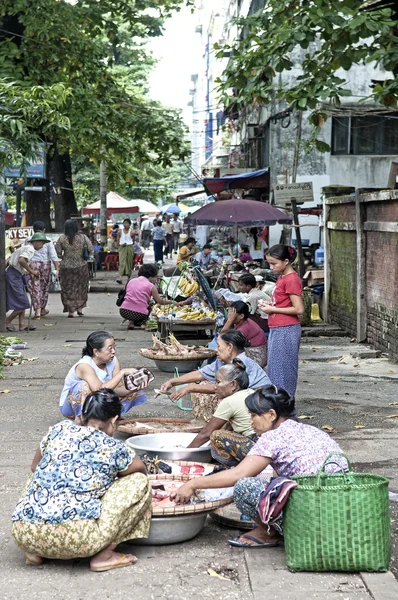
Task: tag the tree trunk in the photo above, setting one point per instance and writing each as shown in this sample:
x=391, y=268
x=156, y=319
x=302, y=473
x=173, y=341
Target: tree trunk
x=38, y=204
x=63, y=195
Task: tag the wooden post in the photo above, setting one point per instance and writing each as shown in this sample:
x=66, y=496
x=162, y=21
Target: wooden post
x=2, y=261
x=361, y=269
x=298, y=238
x=326, y=244
x=103, y=214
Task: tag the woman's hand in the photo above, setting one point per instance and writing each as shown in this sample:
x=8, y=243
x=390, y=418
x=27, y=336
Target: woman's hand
x=231, y=314
x=129, y=371
x=183, y=494
x=167, y=385
x=265, y=307
x=178, y=394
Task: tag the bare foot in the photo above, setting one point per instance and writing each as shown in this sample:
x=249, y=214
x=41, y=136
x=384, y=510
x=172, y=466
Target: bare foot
x=108, y=559
x=33, y=559
x=142, y=326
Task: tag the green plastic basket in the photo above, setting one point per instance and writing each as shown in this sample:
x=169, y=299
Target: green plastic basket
x=338, y=522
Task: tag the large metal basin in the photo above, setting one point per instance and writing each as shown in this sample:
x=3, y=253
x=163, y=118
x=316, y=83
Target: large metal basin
x=164, y=445
x=183, y=366
x=172, y=530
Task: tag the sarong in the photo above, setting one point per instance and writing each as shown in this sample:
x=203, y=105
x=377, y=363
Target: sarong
x=126, y=510
x=16, y=296
x=283, y=351
x=258, y=354
x=229, y=447
x=73, y=404
x=74, y=287
x=126, y=259
x=39, y=286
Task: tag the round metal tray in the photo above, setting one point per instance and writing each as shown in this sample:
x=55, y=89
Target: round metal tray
x=183, y=366
x=163, y=445
x=172, y=530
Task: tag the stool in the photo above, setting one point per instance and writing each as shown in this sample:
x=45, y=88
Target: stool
x=112, y=262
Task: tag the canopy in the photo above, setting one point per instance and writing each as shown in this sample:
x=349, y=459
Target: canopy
x=114, y=204
x=145, y=207
x=243, y=181
x=238, y=212
x=172, y=209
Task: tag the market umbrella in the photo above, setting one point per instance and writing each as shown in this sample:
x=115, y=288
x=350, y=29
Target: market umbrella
x=238, y=212
x=171, y=209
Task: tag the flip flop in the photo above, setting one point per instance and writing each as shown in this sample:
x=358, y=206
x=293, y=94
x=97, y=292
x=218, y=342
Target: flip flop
x=34, y=562
x=258, y=543
x=36, y=318
x=44, y=313
x=117, y=565
x=11, y=328
x=31, y=328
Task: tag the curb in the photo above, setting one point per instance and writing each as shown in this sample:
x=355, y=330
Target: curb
x=381, y=586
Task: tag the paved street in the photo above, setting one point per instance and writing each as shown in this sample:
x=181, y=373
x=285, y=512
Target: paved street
x=354, y=392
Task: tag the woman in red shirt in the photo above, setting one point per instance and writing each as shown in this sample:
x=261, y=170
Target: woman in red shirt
x=284, y=324
x=238, y=318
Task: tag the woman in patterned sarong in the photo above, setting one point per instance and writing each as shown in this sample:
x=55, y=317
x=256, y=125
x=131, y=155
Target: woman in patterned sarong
x=88, y=492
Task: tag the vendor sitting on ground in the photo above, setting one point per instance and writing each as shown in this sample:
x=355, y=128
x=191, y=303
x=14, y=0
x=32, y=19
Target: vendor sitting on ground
x=290, y=447
x=139, y=291
x=97, y=367
x=187, y=250
x=244, y=254
x=247, y=285
x=238, y=318
x=229, y=447
x=88, y=492
x=230, y=344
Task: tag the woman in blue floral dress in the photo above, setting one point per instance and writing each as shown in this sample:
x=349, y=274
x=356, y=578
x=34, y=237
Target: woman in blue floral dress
x=88, y=492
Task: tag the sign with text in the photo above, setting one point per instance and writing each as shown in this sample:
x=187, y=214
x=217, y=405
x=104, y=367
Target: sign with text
x=35, y=170
x=19, y=233
x=300, y=191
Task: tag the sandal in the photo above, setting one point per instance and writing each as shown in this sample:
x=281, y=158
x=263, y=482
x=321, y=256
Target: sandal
x=44, y=313
x=36, y=318
x=80, y=314
x=11, y=328
x=28, y=328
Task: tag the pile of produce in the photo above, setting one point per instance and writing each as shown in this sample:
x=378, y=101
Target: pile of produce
x=187, y=287
x=151, y=325
x=184, y=313
x=6, y=357
x=174, y=350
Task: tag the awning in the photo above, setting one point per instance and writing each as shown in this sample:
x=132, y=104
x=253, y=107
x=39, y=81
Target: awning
x=245, y=181
x=189, y=194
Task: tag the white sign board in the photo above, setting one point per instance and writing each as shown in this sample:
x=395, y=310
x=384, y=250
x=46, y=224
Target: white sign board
x=300, y=191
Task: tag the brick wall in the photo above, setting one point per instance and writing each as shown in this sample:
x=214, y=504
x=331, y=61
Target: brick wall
x=381, y=270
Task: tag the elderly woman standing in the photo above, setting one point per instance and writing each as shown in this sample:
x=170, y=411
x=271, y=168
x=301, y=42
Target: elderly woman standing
x=229, y=447
x=73, y=272
x=88, y=492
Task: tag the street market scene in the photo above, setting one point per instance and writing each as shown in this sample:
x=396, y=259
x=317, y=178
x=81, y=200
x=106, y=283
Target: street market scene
x=198, y=299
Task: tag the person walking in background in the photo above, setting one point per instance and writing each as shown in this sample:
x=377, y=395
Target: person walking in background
x=73, y=271
x=41, y=262
x=146, y=232
x=125, y=245
x=177, y=230
x=159, y=240
x=283, y=319
x=18, y=266
x=168, y=227
x=257, y=246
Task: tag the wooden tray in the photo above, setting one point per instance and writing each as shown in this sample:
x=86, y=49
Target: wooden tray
x=160, y=425
x=186, y=321
x=185, y=509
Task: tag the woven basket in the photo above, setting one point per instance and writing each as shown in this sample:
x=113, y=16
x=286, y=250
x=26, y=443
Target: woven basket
x=185, y=509
x=198, y=355
x=338, y=522
x=159, y=425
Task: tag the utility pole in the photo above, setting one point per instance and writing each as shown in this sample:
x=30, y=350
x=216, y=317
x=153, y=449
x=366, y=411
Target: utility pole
x=293, y=200
x=3, y=310
x=103, y=214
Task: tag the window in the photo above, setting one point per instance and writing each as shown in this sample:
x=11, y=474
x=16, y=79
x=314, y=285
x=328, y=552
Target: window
x=365, y=135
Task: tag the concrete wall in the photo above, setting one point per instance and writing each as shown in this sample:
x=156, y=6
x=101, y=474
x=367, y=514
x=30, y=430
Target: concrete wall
x=362, y=292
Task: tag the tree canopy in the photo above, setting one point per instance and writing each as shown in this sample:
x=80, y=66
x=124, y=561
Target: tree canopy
x=333, y=35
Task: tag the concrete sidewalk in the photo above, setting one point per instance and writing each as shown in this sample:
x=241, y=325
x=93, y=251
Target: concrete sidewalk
x=329, y=392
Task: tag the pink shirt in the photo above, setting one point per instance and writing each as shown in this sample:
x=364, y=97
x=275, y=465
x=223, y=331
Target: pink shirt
x=138, y=294
x=252, y=332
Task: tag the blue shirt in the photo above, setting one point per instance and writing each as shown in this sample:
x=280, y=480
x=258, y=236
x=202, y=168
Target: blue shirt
x=257, y=376
x=78, y=465
x=202, y=259
x=158, y=233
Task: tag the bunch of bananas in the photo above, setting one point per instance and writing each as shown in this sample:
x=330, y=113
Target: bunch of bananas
x=187, y=287
x=190, y=314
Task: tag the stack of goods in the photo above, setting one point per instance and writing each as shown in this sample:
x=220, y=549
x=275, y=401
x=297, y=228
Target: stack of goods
x=199, y=312
x=173, y=349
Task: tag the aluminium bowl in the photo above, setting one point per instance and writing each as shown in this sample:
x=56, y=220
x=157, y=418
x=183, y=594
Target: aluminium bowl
x=163, y=445
x=173, y=529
